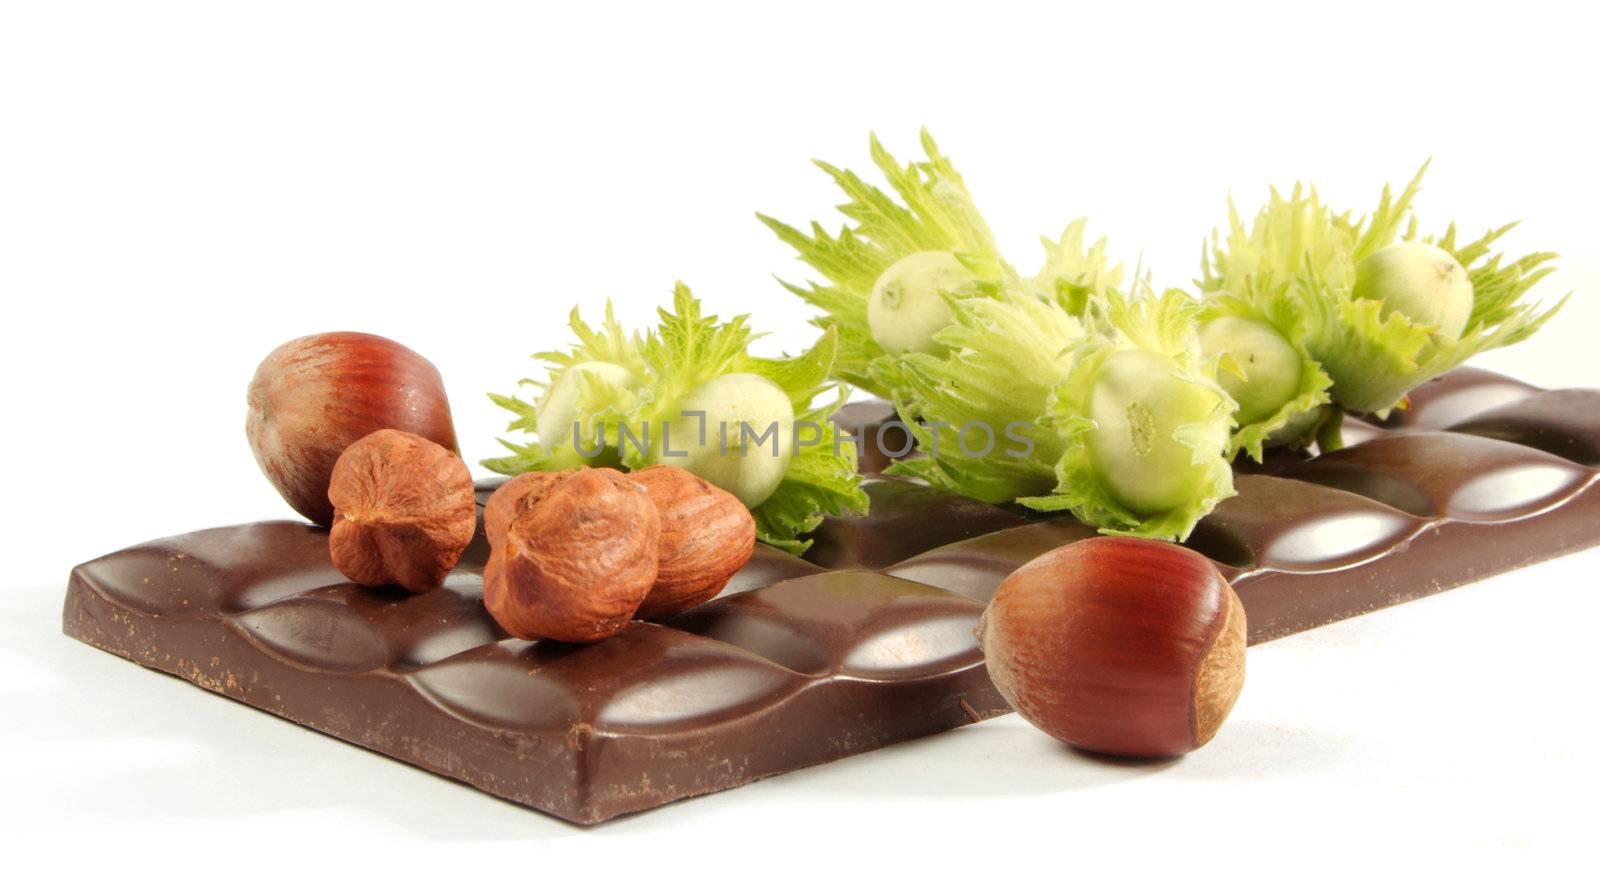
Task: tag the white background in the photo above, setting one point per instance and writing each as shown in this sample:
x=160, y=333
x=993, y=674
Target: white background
x=184, y=186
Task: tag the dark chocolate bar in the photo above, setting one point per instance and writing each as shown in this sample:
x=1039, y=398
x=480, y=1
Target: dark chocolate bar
x=789, y=668
x=867, y=643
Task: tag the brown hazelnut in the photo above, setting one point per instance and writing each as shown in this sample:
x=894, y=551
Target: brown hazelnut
x=1118, y=645
x=706, y=536
x=514, y=495
x=403, y=511
x=314, y=396
x=575, y=562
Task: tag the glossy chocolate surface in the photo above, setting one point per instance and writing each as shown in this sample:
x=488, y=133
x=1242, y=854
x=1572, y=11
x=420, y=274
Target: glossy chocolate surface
x=801, y=662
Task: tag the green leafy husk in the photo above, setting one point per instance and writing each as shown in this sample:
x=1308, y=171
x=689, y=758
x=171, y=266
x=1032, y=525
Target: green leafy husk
x=1007, y=353
x=683, y=352
x=1298, y=255
x=1166, y=327
x=1073, y=273
x=933, y=212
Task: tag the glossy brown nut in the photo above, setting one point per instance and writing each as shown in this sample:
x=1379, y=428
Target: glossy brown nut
x=706, y=536
x=314, y=396
x=575, y=563
x=404, y=511
x=1117, y=645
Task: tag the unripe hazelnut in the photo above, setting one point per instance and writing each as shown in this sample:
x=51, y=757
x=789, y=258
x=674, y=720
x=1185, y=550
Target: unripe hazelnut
x=1118, y=645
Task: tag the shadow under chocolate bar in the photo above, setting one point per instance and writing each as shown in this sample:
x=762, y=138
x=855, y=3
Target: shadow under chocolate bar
x=800, y=662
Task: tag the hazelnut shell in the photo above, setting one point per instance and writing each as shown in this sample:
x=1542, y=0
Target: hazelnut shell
x=314, y=396
x=1118, y=645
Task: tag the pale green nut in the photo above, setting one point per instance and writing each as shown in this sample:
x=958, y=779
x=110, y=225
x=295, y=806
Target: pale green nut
x=907, y=303
x=1422, y=282
x=746, y=440
x=1270, y=364
x=558, y=410
x=1137, y=403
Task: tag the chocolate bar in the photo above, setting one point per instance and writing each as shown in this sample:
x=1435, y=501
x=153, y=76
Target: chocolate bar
x=790, y=667
x=866, y=643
